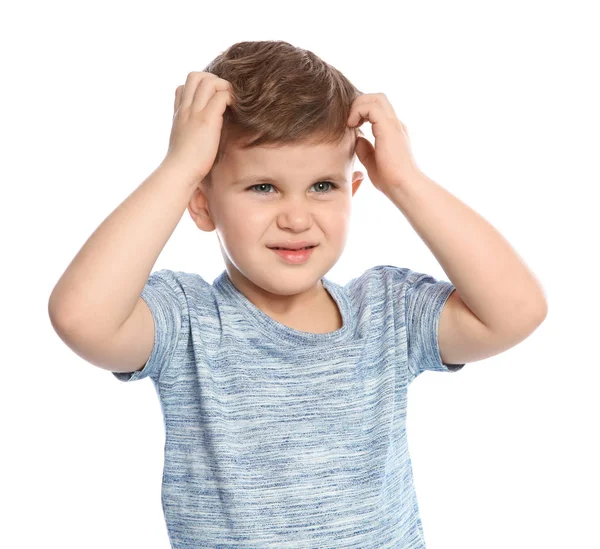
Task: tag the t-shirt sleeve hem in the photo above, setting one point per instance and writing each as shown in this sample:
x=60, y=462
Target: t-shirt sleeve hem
x=438, y=302
x=158, y=315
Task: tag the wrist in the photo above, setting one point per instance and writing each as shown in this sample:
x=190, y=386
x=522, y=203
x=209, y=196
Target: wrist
x=178, y=171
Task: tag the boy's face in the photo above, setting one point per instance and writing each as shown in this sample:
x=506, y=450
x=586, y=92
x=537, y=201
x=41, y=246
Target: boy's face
x=289, y=200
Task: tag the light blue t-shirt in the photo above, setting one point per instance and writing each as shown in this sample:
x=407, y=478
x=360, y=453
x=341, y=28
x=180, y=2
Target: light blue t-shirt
x=276, y=437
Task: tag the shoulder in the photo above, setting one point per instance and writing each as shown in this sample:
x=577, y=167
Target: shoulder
x=380, y=277
x=401, y=280
x=181, y=289
x=179, y=280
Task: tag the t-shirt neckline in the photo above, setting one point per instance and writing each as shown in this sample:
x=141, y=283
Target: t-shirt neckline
x=280, y=332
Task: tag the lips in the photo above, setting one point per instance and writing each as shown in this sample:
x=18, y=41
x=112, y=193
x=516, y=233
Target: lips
x=291, y=249
x=294, y=257
x=292, y=246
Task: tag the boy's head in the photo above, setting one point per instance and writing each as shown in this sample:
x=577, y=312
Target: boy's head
x=287, y=129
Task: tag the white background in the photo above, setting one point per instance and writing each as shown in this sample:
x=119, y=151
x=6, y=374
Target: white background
x=501, y=100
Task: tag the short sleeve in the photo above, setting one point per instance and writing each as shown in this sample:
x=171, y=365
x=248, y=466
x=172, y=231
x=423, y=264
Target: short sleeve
x=425, y=298
x=166, y=300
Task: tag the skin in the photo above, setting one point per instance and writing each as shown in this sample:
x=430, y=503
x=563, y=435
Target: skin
x=247, y=217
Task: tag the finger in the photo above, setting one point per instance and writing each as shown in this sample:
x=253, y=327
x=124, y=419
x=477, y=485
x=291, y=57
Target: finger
x=376, y=101
x=382, y=100
x=189, y=88
x=217, y=104
x=360, y=106
x=370, y=111
x=178, y=91
x=206, y=90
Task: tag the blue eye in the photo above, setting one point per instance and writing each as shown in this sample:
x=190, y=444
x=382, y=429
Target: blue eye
x=261, y=185
x=333, y=185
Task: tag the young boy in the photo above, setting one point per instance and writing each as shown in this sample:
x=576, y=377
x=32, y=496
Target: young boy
x=284, y=394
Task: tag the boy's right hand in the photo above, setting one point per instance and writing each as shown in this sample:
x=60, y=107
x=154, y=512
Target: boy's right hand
x=197, y=123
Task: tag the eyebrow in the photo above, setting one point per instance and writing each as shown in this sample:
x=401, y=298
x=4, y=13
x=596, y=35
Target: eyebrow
x=253, y=179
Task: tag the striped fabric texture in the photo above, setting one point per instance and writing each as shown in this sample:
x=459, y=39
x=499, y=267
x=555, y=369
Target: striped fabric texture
x=276, y=437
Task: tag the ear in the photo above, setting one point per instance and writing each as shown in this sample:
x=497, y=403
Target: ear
x=357, y=179
x=198, y=208
x=365, y=151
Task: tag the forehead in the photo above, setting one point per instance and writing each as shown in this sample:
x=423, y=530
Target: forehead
x=301, y=157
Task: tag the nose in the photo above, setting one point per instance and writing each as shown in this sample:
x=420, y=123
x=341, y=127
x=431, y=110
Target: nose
x=295, y=214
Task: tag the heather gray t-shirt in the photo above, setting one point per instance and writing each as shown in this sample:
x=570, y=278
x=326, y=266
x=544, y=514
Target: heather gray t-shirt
x=276, y=437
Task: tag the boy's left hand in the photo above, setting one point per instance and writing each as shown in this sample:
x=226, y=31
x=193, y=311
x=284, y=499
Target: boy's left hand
x=390, y=163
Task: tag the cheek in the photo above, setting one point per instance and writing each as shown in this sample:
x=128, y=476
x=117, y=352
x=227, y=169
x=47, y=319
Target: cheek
x=337, y=230
x=337, y=226
x=235, y=210
x=338, y=215
x=249, y=219
x=243, y=223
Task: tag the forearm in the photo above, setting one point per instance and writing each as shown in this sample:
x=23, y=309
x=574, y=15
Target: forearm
x=490, y=277
x=101, y=286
